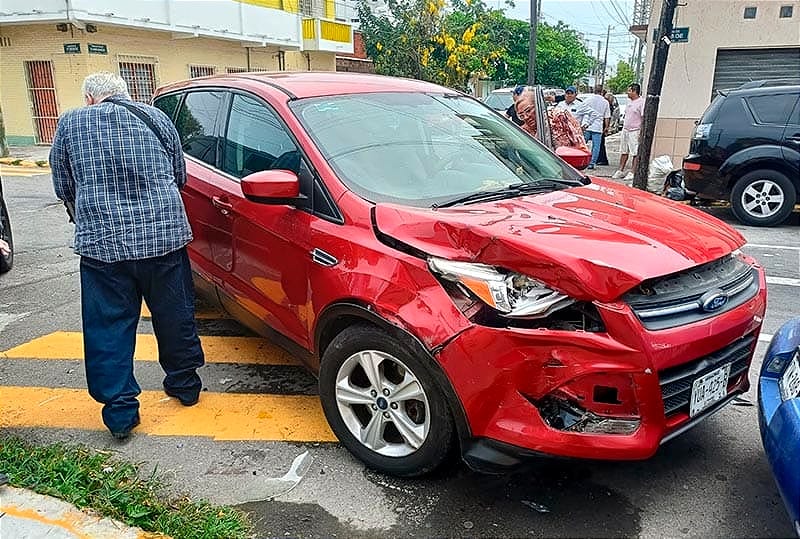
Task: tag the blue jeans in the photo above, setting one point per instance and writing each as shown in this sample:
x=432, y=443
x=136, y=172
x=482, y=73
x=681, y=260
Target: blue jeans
x=111, y=301
x=596, y=137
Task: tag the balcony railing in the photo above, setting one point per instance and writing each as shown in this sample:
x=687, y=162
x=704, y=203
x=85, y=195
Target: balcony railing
x=260, y=22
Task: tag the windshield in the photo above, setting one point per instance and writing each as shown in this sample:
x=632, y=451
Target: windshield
x=499, y=100
x=422, y=149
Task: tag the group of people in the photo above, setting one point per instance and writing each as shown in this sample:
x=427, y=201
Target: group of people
x=575, y=122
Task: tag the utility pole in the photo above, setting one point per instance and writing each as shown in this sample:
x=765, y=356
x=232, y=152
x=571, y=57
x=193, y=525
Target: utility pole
x=638, y=64
x=597, y=65
x=654, y=84
x=532, y=45
x=605, y=59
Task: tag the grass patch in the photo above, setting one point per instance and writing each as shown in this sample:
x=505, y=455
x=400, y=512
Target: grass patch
x=94, y=479
x=42, y=163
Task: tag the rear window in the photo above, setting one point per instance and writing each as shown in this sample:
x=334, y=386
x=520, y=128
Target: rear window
x=772, y=109
x=711, y=112
x=499, y=100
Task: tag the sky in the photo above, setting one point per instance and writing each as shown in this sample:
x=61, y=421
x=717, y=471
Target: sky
x=590, y=17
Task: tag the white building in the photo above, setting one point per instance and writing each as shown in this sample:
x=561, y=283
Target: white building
x=727, y=43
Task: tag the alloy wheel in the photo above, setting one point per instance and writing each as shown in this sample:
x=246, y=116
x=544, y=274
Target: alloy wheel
x=762, y=198
x=382, y=403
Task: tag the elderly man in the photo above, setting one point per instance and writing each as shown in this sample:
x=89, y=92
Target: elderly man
x=120, y=164
x=581, y=111
x=564, y=129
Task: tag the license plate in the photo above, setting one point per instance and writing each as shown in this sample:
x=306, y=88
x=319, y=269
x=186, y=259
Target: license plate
x=708, y=389
x=790, y=381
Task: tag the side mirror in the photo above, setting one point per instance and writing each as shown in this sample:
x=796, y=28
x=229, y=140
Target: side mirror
x=576, y=157
x=272, y=187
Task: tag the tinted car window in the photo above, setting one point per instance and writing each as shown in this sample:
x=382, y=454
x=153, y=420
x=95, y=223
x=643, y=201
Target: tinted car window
x=168, y=104
x=772, y=109
x=196, y=125
x=256, y=140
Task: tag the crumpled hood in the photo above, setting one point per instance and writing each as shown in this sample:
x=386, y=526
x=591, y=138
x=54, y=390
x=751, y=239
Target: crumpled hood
x=593, y=242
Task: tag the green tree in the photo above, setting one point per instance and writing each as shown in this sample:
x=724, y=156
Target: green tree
x=561, y=57
x=423, y=40
x=623, y=78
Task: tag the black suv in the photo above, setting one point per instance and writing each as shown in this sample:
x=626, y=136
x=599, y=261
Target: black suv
x=746, y=149
x=6, y=258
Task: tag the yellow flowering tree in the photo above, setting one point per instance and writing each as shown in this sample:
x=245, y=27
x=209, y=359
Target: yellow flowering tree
x=430, y=40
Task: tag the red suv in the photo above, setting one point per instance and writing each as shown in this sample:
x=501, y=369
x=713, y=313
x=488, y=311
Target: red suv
x=455, y=285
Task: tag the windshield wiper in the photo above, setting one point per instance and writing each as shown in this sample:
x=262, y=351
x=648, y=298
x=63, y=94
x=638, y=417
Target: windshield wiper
x=541, y=183
x=505, y=192
x=511, y=191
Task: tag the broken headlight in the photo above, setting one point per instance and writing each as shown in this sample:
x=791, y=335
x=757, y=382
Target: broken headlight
x=512, y=294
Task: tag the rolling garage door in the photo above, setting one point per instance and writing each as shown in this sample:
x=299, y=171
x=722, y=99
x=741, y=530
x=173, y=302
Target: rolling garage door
x=735, y=67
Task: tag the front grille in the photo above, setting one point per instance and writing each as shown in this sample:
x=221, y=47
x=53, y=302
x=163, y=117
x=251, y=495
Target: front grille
x=676, y=382
x=677, y=299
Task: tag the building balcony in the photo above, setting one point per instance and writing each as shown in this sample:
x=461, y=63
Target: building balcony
x=252, y=22
x=327, y=36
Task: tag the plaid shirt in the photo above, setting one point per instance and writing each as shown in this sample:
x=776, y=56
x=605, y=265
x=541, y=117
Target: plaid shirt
x=124, y=184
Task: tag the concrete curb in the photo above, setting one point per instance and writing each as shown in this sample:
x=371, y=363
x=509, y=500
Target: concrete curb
x=24, y=163
x=25, y=514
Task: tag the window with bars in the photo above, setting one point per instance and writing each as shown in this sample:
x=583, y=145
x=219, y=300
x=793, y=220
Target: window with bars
x=200, y=71
x=245, y=70
x=141, y=79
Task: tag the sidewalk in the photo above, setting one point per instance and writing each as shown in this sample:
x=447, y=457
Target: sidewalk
x=27, y=156
x=25, y=514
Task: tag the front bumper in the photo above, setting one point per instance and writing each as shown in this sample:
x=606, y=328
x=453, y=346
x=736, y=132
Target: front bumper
x=503, y=375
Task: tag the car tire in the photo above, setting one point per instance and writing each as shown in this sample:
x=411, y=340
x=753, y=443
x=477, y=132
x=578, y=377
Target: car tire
x=753, y=198
x=365, y=415
x=6, y=261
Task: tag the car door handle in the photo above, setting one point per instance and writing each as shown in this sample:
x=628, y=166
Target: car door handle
x=794, y=138
x=224, y=207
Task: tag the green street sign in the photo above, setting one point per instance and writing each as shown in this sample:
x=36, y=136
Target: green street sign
x=679, y=35
x=97, y=48
x=72, y=48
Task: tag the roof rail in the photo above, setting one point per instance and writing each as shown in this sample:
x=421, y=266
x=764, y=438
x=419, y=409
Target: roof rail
x=767, y=83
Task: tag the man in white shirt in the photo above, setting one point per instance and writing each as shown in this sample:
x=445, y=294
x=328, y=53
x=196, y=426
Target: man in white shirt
x=585, y=114
x=594, y=132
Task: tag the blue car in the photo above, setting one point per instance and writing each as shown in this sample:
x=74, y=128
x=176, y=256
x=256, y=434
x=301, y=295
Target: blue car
x=779, y=414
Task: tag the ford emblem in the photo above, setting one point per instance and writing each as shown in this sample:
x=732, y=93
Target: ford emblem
x=713, y=300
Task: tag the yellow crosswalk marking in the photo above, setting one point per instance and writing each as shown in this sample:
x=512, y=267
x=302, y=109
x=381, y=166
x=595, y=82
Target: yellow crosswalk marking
x=202, y=312
x=8, y=170
x=69, y=345
x=221, y=416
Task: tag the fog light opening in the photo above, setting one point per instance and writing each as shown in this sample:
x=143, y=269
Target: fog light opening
x=564, y=415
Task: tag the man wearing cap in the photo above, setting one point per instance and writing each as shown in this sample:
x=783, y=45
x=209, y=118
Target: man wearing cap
x=585, y=114
x=511, y=112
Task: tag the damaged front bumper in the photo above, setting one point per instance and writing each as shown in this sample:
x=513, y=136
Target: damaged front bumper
x=614, y=394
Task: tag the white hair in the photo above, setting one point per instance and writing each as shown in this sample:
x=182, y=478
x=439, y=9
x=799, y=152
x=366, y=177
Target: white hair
x=104, y=84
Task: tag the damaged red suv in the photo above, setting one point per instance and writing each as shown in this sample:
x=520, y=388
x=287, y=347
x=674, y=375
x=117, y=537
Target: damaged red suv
x=453, y=283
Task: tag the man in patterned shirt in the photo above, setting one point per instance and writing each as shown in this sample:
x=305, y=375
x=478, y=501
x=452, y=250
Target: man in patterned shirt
x=123, y=177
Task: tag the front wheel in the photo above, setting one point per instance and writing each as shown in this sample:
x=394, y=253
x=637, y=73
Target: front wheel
x=6, y=260
x=383, y=403
x=763, y=198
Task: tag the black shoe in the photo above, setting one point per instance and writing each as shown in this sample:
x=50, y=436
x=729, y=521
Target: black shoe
x=124, y=434
x=183, y=400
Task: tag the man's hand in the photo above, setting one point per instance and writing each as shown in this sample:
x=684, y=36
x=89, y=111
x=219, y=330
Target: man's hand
x=5, y=249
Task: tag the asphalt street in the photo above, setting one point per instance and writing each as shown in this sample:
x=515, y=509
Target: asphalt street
x=711, y=482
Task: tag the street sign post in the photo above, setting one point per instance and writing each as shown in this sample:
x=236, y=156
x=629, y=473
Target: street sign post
x=678, y=35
